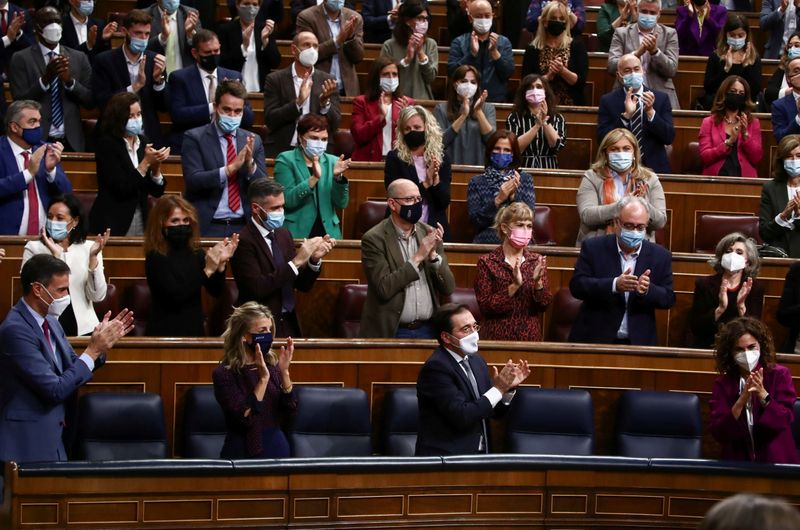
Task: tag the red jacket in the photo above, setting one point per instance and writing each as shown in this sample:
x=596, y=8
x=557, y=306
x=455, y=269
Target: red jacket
x=713, y=150
x=366, y=126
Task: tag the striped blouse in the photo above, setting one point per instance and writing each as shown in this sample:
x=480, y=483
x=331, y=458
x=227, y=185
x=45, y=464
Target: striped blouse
x=539, y=153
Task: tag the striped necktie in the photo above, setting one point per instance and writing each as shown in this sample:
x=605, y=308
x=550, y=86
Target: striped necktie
x=636, y=123
x=33, y=200
x=483, y=445
x=234, y=200
x=55, y=99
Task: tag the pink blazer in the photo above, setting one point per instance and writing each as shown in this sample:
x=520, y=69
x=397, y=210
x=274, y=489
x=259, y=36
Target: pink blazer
x=713, y=150
x=367, y=128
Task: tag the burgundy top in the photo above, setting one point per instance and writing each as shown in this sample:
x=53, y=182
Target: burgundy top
x=516, y=317
x=235, y=393
x=772, y=425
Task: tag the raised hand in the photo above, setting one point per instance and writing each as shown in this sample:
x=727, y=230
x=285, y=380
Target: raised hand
x=481, y=100
x=474, y=44
x=261, y=365
x=159, y=65
x=305, y=88
x=35, y=160
x=191, y=23
x=741, y=298
x=247, y=34
x=14, y=28
x=627, y=281
x=54, y=248
x=109, y=30
x=538, y=272
x=728, y=59
x=285, y=356
x=329, y=88
x=341, y=166
x=164, y=36
x=99, y=243
x=269, y=26
x=631, y=102
x=722, y=306
x=643, y=283
x=52, y=155
x=316, y=172
x=516, y=274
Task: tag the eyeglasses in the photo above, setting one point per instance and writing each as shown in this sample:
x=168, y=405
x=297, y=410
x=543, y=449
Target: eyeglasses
x=407, y=200
x=474, y=328
x=631, y=226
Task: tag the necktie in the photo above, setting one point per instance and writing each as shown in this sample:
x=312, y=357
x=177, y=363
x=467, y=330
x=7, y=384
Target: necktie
x=55, y=99
x=212, y=87
x=33, y=201
x=287, y=291
x=476, y=393
x=56, y=356
x=234, y=200
x=172, y=45
x=3, y=21
x=636, y=123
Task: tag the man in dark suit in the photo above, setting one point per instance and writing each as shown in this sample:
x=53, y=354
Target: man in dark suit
x=380, y=17
x=173, y=27
x=191, y=89
x=39, y=370
x=647, y=114
x=16, y=32
x=249, y=46
x=58, y=78
x=85, y=33
x=266, y=266
x=219, y=161
x=455, y=392
x=30, y=172
x=300, y=5
x=295, y=91
x=784, y=110
x=132, y=68
x=622, y=279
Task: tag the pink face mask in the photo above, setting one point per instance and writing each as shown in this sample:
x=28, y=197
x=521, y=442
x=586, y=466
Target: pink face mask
x=520, y=237
x=535, y=95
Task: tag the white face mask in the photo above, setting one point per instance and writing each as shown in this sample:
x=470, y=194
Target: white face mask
x=482, y=25
x=308, y=57
x=57, y=305
x=465, y=89
x=389, y=84
x=747, y=359
x=51, y=33
x=732, y=262
x=469, y=344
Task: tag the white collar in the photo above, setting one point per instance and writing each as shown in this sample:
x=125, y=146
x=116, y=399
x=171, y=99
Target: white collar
x=46, y=51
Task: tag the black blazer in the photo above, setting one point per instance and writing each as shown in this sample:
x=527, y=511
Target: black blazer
x=120, y=187
x=705, y=301
x=69, y=37
x=774, y=197
x=789, y=307
x=437, y=197
x=230, y=40
x=450, y=418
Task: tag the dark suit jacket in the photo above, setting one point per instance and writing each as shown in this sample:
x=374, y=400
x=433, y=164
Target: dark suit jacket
x=13, y=188
x=28, y=65
x=774, y=197
x=280, y=108
x=784, y=112
x=33, y=391
x=111, y=76
x=705, y=302
x=602, y=310
x=259, y=278
x=184, y=43
x=789, y=307
x=70, y=38
x=437, y=197
x=188, y=102
x=299, y=5
x=450, y=418
x=376, y=21
x=230, y=41
x=201, y=161
x=656, y=134
x=27, y=38
x=120, y=187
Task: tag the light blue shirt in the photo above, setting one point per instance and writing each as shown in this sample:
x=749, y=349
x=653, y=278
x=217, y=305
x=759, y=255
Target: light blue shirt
x=87, y=360
x=627, y=262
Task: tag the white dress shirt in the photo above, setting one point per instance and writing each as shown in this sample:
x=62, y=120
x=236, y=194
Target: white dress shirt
x=133, y=70
x=51, y=177
x=627, y=262
x=88, y=361
x=81, y=28
x=305, y=108
x=206, y=84
x=336, y=27
x=250, y=68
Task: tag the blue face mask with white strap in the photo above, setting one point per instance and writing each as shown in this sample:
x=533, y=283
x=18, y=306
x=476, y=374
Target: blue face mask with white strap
x=134, y=126
x=737, y=44
x=647, y=21
x=86, y=8
x=631, y=238
x=228, y=124
x=793, y=53
x=792, y=167
x=137, y=45
x=634, y=80
x=315, y=147
x=170, y=6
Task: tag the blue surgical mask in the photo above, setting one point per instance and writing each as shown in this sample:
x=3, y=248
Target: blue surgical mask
x=264, y=340
x=792, y=167
x=793, y=53
x=170, y=6
x=274, y=220
x=86, y=7
x=631, y=238
x=620, y=161
x=737, y=44
x=501, y=160
x=228, y=124
x=32, y=136
x=633, y=80
x=647, y=21
x=315, y=147
x=57, y=229
x=335, y=5
x=137, y=45
x=134, y=126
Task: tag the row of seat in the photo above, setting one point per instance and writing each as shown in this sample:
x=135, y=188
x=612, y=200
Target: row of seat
x=335, y=422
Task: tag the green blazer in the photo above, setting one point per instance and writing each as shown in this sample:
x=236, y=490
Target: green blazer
x=303, y=203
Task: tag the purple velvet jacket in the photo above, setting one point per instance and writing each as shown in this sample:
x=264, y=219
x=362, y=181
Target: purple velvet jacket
x=772, y=425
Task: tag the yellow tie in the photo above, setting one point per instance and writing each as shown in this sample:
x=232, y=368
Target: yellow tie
x=172, y=47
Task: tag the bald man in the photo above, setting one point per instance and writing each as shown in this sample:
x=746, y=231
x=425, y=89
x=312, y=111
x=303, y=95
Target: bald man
x=297, y=90
x=622, y=279
x=406, y=269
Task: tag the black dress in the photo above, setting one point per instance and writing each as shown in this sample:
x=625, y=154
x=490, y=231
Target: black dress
x=175, y=281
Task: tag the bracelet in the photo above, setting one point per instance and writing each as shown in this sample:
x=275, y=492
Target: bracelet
x=766, y=400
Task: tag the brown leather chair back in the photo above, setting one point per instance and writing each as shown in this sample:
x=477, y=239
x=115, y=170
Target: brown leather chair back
x=565, y=310
x=349, y=305
x=711, y=228
x=466, y=296
x=369, y=214
x=109, y=303
x=137, y=299
x=691, y=163
x=544, y=232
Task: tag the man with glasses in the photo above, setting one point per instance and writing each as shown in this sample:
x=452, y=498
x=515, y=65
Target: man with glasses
x=406, y=269
x=456, y=393
x=622, y=279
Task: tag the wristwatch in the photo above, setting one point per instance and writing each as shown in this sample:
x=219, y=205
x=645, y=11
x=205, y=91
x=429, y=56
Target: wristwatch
x=766, y=400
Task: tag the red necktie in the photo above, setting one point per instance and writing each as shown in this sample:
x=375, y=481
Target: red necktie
x=46, y=329
x=3, y=21
x=33, y=202
x=234, y=201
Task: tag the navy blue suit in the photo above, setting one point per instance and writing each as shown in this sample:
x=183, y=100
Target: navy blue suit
x=33, y=391
x=450, y=418
x=602, y=310
x=202, y=159
x=784, y=114
x=69, y=37
x=13, y=188
x=188, y=102
x=657, y=133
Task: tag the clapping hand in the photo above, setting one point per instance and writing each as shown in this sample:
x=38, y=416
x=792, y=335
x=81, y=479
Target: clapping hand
x=744, y=291
x=510, y=376
x=261, y=365
x=52, y=155
x=305, y=88
x=474, y=43
x=508, y=189
x=481, y=100
x=329, y=87
x=539, y=271
x=627, y=282
x=99, y=244
x=54, y=248
x=341, y=166
x=108, y=332
x=323, y=247
x=643, y=283
x=432, y=174
x=269, y=26
x=631, y=102
x=285, y=356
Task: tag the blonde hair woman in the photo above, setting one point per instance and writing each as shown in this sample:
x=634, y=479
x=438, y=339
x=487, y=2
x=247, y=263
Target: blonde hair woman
x=253, y=386
x=617, y=171
x=554, y=54
x=419, y=156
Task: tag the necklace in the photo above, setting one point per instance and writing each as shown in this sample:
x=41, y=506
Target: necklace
x=729, y=122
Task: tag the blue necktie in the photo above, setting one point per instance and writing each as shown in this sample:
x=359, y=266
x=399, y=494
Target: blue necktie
x=55, y=100
x=287, y=290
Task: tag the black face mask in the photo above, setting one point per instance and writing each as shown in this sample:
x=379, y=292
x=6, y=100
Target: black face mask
x=178, y=236
x=411, y=212
x=556, y=27
x=208, y=62
x=734, y=101
x=415, y=139
x=699, y=3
